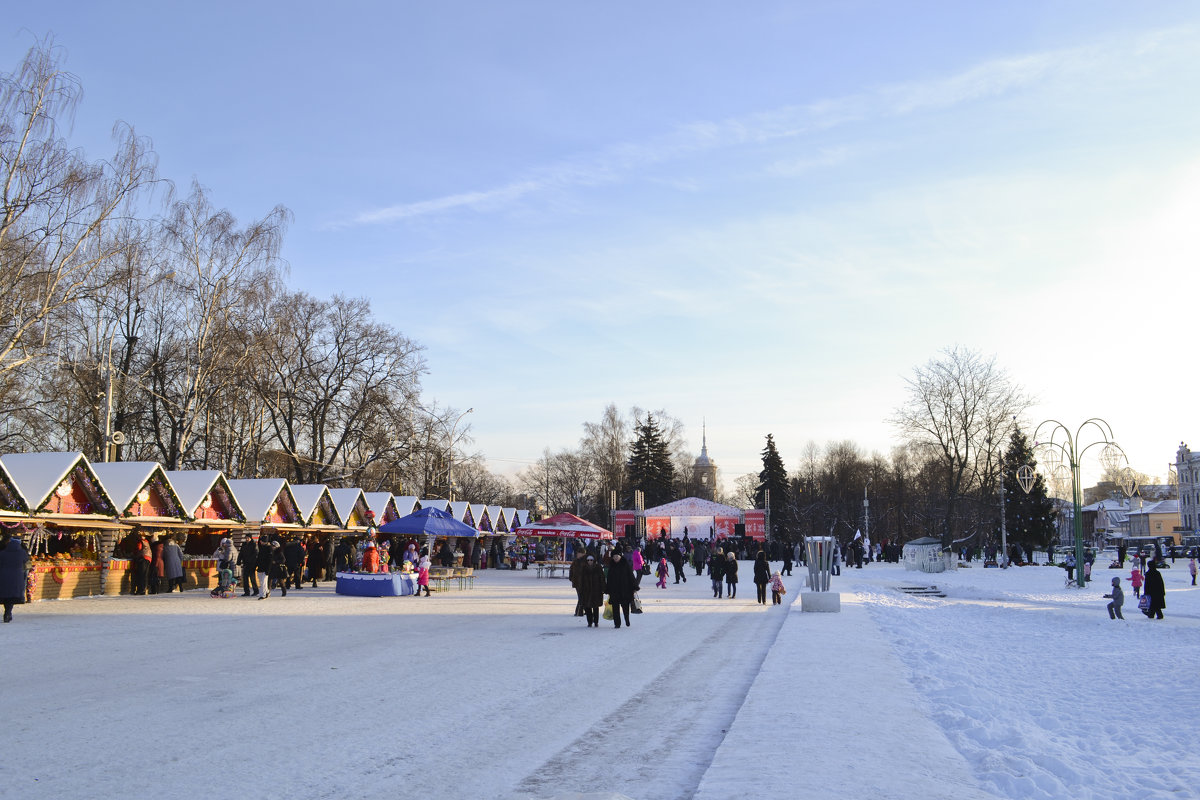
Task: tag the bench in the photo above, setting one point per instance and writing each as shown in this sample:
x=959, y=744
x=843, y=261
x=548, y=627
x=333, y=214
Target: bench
x=552, y=568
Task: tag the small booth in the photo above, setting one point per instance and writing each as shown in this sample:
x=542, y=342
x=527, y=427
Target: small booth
x=557, y=531
x=213, y=513
x=70, y=525
x=925, y=555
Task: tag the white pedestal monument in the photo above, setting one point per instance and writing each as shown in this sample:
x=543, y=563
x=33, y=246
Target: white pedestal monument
x=819, y=553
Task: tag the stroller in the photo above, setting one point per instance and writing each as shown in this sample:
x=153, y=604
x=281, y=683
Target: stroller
x=226, y=585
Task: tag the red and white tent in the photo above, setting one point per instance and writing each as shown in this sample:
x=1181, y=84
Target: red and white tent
x=565, y=525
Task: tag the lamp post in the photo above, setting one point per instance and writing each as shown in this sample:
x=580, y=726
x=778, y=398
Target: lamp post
x=450, y=461
x=1062, y=443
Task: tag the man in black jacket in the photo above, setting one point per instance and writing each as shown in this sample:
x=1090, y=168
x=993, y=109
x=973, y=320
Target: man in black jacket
x=620, y=587
x=293, y=556
x=248, y=560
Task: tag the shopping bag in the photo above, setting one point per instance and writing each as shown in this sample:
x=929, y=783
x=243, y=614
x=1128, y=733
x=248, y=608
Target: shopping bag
x=607, y=610
x=1144, y=602
x=636, y=606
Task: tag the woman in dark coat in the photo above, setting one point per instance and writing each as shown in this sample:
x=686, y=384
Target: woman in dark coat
x=762, y=576
x=591, y=590
x=316, y=560
x=716, y=570
x=620, y=587
x=1155, y=590
x=14, y=564
x=731, y=567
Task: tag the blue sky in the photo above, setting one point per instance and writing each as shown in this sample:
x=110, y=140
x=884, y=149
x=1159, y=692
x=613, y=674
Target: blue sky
x=761, y=214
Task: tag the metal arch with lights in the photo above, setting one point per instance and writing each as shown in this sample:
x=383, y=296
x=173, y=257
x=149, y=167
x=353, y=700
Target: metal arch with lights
x=1071, y=447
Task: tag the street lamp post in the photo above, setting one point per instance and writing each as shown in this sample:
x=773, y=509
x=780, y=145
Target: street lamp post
x=450, y=462
x=1072, y=448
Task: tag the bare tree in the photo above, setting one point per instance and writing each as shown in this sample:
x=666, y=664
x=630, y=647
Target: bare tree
x=55, y=208
x=956, y=403
x=197, y=334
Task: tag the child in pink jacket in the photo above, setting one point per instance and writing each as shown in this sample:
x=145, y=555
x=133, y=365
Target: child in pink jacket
x=663, y=570
x=1135, y=578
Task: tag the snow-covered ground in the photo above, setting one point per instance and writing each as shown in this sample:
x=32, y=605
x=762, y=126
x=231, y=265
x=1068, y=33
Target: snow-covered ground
x=1012, y=686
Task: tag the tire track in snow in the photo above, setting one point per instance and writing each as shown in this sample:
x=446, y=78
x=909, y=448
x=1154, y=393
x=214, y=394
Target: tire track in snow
x=672, y=727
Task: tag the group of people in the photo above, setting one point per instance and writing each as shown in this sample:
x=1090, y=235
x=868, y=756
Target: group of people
x=592, y=580
x=156, y=564
x=618, y=574
x=1149, y=588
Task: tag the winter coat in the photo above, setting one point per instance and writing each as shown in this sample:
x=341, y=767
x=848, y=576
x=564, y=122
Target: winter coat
x=620, y=583
x=447, y=555
x=663, y=570
x=172, y=561
x=716, y=566
x=263, y=563
x=279, y=568
x=591, y=585
x=423, y=571
x=576, y=567
x=1118, y=596
x=731, y=568
x=226, y=552
x=14, y=563
x=156, y=562
x=316, y=561
x=762, y=570
x=636, y=560
x=1155, y=589
x=370, y=561
x=1135, y=578
x=293, y=554
x=248, y=556
x=777, y=584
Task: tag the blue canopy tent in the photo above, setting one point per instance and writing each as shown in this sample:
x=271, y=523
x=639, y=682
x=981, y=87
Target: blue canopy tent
x=429, y=522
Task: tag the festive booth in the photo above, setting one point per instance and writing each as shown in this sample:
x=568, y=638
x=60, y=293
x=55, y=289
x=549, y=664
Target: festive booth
x=554, y=533
x=149, y=506
x=68, y=514
x=213, y=513
x=430, y=526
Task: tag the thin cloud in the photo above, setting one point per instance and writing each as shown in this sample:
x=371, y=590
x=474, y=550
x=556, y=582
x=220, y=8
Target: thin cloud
x=993, y=78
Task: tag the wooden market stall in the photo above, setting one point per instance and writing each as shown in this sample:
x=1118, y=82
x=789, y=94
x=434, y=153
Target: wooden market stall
x=147, y=505
x=69, y=517
x=212, y=513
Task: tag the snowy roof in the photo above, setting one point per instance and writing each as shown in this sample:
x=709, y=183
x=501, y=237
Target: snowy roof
x=377, y=503
x=344, y=501
x=406, y=504
x=123, y=480
x=1162, y=507
x=461, y=511
x=257, y=495
x=508, y=515
x=35, y=476
x=437, y=502
x=494, y=515
x=693, y=507
x=308, y=498
x=193, y=486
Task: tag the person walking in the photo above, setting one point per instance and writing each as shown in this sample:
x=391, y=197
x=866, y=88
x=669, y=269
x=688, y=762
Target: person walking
x=293, y=557
x=575, y=574
x=762, y=576
x=172, y=565
x=1118, y=599
x=1192, y=570
x=716, y=570
x=423, y=574
x=777, y=589
x=263, y=567
x=619, y=586
x=14, y=569
x=1156, y=591
x=591, y=589
x=1135, y=580
x=787, y=560
x=676, y=556
x=248, y=560
x=731, y=570
x=663, y=572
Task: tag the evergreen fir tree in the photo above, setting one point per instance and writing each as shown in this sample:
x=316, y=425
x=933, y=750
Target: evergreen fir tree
x=650, y=468
x=774, y=479
x=1029, y=518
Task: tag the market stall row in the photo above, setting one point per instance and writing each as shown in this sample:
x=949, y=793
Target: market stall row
x=86, y=524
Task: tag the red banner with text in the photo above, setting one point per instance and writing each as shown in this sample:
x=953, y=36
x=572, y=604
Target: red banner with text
x=756, y=524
